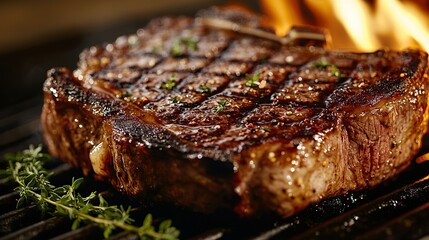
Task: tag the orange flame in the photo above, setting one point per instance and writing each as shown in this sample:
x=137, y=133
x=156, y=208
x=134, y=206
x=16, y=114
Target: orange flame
x=356, y=24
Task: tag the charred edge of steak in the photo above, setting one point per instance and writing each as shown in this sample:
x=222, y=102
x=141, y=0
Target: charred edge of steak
x=237, y=122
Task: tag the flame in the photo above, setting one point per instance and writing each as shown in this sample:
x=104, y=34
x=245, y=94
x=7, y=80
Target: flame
x=281, y=14
x=356, y=18
x=356, y=24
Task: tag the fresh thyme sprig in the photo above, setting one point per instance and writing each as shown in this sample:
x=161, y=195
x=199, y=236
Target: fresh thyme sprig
x=26, y=169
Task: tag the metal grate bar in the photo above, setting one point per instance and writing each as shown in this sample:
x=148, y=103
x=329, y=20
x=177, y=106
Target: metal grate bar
x=8, y=202
x=19, y=123
x=213, y=234
x=90, y=231
x=19, y=218
x=125, y=236
x=41, y=230
x=372, y=214
x=411, y=225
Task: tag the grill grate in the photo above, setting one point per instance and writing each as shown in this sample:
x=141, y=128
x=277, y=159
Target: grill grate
x=395, y=210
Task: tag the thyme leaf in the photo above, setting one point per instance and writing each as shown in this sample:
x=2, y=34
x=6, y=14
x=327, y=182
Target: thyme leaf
x=182, y=45
x=323, y=64
x=205, y=89
x=265, y=129
x=335, y=71
x=175, y=99
x=26, y=169
x=252, y=80
x=127, y=94
x=124, y=94
x=171, y=83
x=221, y=105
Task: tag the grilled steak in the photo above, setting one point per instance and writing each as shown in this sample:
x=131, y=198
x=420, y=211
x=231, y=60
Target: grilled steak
x=186, y=114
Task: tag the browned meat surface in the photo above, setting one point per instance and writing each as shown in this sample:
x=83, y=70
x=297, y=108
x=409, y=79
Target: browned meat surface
x=211, y=120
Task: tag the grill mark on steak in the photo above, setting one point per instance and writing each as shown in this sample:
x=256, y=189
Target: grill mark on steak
x=290, y=124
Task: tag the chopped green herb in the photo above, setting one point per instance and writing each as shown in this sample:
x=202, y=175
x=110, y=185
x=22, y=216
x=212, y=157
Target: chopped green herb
x=252, y=80
x=124, y=94
x=191, y=43
x=127, y=94
x=175, y=99
x=323, y=64
x=183, y=45
x=265, y=129
x=26, y=170
x=221, y=105
x=155, y=49
x=171, y=83
x=205, y=89
x=176, y=50
x=335, y=71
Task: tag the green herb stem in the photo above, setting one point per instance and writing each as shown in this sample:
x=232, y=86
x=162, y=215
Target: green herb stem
x=26, y=169
x=100, y=221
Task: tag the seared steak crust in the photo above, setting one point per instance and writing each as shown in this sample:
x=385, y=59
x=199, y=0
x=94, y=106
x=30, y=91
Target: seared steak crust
x=212, y=120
